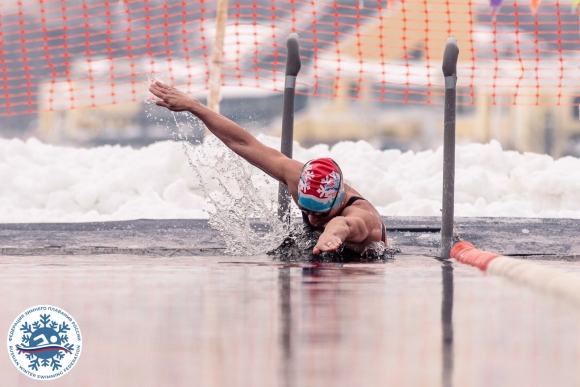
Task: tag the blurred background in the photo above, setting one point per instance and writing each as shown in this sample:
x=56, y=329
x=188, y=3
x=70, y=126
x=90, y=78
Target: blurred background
x=76, y=72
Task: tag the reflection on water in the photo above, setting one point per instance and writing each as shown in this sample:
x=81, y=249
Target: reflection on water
x=298, y=246
x=286, y=321
x=251, y=321
x=447, y=323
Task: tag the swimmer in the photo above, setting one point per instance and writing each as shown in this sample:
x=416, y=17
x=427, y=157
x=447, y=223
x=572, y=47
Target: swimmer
x=317, y=187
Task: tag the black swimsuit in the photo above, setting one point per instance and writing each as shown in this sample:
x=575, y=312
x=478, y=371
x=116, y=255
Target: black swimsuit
x=350, y=201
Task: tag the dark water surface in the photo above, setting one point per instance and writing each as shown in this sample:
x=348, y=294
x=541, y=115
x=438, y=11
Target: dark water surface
x=252, y=321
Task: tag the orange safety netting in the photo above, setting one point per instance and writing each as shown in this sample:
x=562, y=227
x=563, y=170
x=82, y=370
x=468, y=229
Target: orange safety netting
x=60, y=55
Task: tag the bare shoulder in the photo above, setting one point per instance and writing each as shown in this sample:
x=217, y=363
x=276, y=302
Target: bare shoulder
x=364, y=210
x=363, y=205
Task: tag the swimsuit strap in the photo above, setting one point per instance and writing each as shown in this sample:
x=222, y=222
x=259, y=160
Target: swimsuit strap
x=353, y=199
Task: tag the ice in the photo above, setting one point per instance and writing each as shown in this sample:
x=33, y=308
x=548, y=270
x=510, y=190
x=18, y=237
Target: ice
x=48, y=183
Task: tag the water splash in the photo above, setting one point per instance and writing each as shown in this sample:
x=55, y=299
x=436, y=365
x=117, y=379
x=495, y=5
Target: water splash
x=178, y=126
x=245, y=215
x=298, y=245
x=241, y=199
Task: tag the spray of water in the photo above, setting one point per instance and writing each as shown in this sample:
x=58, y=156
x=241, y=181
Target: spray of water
x=240, y=199
x=297, y=247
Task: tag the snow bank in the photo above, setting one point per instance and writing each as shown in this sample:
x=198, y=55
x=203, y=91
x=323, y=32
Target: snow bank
x=46, y=183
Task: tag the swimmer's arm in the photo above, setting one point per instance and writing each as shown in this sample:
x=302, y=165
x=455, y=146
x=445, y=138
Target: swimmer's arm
x=231, y=134
x=341, y=229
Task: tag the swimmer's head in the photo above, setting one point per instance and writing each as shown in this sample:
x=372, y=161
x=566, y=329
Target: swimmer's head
x=320, y=188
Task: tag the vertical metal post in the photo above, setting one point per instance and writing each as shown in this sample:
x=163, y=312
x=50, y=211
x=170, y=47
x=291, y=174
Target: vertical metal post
x=293, y=65
x=450, y=72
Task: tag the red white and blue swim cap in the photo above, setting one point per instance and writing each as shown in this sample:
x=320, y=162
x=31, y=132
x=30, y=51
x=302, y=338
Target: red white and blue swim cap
x=320, y=187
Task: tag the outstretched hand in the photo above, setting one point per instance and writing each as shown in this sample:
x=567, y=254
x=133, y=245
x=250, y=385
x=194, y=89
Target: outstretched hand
x=327, y=242
x=170, y=97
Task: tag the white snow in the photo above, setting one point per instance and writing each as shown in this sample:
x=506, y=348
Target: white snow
x=47, y=183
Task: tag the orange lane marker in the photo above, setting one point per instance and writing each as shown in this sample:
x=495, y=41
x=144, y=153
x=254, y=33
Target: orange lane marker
x=545, y=279
x=466, y=253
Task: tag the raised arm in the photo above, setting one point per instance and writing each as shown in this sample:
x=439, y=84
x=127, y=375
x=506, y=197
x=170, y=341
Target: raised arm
x=233, y=136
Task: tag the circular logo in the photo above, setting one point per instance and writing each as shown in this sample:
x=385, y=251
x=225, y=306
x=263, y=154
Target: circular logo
x=44, y=342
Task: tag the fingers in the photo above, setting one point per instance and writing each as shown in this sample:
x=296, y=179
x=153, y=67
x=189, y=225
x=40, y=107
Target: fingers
x=331, y=247
x=327, y=245
x=169, y=97
x=162, y=85
x=156, y=91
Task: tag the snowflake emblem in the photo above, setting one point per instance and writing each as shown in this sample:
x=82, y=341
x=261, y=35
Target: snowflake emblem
x=305, y=177
x=329, y=185
x=45, y=343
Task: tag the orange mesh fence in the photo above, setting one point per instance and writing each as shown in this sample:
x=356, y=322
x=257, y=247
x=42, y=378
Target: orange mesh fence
x=60, y=55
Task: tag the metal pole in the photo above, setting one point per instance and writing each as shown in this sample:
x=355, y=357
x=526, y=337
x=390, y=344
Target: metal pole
x=450, y=72
x=293, y=65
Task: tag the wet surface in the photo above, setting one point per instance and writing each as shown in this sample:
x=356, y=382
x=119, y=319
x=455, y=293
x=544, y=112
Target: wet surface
x=538, y=239
x=299, y=244
x=122, y=235
x=252, y=321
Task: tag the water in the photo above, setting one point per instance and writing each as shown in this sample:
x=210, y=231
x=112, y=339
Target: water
x=232, y=188
x=237, y=194
x=296, y=320
x=251, y=321
x=298, y=246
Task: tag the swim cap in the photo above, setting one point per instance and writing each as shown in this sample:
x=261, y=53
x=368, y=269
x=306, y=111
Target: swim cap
x=320, y=185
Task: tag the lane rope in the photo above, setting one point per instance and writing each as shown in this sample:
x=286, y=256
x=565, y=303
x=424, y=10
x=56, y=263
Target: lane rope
x=544, y=279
